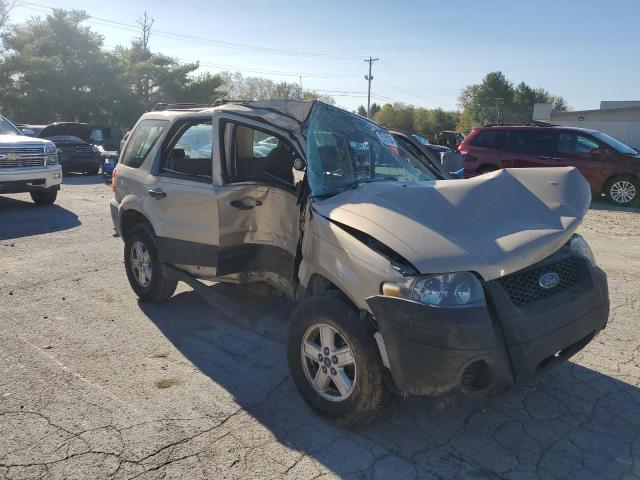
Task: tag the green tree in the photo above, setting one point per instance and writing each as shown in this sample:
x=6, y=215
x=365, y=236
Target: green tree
x=362, y=111
x=397, y=116
x=54, y=69
x=496, y=98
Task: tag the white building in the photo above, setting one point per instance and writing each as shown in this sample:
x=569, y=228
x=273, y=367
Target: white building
x=618, y=119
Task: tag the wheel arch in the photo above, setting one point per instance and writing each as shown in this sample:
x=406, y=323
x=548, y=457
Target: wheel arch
x=129, y=219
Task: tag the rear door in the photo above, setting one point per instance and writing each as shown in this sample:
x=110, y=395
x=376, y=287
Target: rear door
x=257, y=201
x=181, y=199
x=529, y=148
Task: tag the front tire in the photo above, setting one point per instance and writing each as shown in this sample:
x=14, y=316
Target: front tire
x=93, y=171
x=44, y=197
x=334, y=360
x=148, y=277
x=622, y=190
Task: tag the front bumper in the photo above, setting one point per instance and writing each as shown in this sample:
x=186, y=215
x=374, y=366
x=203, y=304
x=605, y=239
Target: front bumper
x=433, y=351
x=18, y=180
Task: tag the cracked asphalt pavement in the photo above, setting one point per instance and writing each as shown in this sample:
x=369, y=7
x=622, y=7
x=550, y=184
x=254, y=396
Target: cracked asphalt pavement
x=95, y=385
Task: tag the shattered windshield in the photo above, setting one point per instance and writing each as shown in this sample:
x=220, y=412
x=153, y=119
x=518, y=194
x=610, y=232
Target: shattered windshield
x=345, y=150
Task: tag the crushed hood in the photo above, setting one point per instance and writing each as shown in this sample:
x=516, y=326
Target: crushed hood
x=80, y=130
x=493, y=224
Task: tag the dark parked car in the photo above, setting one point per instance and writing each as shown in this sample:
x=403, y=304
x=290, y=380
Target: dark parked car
x=611, y=167
x=75, y=152
x=428, y=158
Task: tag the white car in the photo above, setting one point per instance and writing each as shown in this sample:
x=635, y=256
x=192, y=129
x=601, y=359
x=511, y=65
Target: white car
x=28, y=165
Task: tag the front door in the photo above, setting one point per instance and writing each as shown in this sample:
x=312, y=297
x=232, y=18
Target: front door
x=586, y=154
x=257, y=200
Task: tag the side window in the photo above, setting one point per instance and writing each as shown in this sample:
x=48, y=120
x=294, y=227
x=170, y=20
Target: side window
x=532, y=141
x=490, y=138
x=260, y=156
x=142, y=140
x=572, y=144
x=191, y=154
x=585, y=145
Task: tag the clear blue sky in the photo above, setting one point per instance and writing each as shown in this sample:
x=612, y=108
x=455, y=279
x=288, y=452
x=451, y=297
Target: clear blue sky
x=586, y=50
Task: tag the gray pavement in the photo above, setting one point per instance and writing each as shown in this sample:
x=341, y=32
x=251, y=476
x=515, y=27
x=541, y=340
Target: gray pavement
x=95, y=385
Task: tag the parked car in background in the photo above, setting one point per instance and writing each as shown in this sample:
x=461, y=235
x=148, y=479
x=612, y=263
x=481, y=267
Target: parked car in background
x=107, y=137
x=403, y=282
x=422, y=153
x=450, y=138
x=28, y=165
x=76, y=153
x=611, y=167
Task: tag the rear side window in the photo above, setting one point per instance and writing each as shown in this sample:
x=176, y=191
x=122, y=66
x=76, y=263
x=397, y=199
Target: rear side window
x=142, y=140
x=490, y=139
x=532, y=140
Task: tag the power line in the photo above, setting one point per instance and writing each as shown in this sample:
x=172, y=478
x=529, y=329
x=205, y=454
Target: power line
x=208, y=41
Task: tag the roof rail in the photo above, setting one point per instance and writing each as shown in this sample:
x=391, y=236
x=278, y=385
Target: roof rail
x=535, y=123
x=196, y=106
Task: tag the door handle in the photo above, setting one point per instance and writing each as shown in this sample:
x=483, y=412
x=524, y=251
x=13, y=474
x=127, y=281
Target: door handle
x=544, y=157
x=246, y=203
x=557, y=159
x=157, y=193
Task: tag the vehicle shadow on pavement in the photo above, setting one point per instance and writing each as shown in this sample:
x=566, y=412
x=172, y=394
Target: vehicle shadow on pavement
x=575, y=423
x=81, y=179
x=602, y=204
x=23, y=218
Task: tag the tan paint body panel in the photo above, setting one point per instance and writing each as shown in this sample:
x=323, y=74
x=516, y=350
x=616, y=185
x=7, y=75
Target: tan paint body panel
x=494, y=224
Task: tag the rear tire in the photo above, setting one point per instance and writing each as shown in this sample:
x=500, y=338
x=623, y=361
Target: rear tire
x=93, y=171
x=148, y=277
x=368, y=393
x=622, y=190
x=44, y=197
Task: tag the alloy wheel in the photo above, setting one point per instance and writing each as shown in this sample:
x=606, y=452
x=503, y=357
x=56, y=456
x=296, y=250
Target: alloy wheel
x=328, y=362
x=623, y=191
x=140, y=264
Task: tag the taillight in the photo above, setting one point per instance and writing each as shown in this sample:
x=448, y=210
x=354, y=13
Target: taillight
x=113, y=179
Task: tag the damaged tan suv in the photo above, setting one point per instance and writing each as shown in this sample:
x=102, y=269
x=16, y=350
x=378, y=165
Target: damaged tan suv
x=405, y=282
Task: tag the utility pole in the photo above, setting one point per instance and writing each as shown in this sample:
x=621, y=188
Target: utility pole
x=498, y=100
x=369, y=78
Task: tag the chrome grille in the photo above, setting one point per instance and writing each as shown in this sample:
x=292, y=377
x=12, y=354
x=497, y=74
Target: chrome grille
x=523, y=288
x=18, y=157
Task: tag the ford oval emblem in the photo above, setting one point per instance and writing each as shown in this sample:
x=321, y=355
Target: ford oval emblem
x=549, y=280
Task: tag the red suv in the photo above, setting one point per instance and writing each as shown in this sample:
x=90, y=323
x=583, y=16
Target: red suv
x=611, y=167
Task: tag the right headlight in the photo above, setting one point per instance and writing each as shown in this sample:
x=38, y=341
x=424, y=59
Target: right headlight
x=581, y=248
x=458, y=289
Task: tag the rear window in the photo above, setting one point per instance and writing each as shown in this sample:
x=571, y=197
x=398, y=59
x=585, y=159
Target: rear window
x=489, y=139
x=142, y=140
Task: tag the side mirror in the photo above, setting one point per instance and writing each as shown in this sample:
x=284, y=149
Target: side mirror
x=28, y=132
x=178, y=154
x=299, y=165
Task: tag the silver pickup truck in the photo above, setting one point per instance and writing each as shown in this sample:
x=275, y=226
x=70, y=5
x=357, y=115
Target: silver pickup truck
x=28, y=165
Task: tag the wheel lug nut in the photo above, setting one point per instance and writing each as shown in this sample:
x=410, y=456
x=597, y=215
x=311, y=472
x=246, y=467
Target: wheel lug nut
x=326, y=350
x=320, y=357
x=333, y=371
x=324, y=369
x=334, y=359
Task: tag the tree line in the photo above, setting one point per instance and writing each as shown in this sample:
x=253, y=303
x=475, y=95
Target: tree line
x=55, y=68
